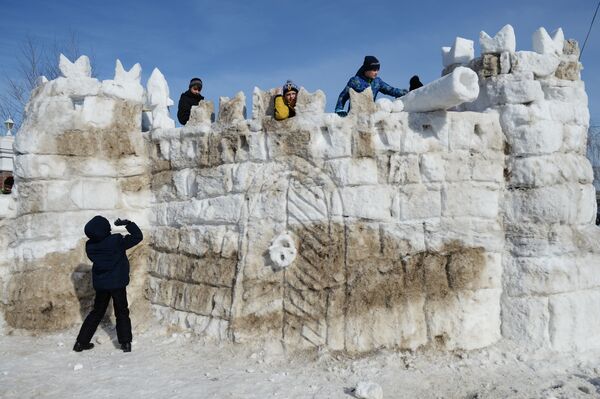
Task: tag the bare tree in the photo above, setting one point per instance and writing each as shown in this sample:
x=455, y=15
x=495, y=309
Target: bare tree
x=33, y=60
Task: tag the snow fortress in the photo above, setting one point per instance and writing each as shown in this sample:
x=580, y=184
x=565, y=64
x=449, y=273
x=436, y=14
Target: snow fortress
x=451, y=218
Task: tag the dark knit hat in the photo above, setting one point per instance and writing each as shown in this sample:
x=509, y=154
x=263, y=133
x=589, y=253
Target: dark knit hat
x=289, y=86
x=195, y=82
x=370, y=63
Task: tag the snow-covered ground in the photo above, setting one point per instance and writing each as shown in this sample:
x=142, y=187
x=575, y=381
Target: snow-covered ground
x=177, y=365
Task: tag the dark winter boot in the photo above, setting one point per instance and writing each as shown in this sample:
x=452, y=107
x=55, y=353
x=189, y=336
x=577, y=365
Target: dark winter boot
x=126, y=347
x=82, y=347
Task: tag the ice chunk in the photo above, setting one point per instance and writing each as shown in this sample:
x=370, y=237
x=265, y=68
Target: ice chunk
x=504, y=40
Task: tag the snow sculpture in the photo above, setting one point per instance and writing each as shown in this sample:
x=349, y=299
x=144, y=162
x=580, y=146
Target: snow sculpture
x=126, y=84
x=456, y=88
x=406, y=229
x=78, y=69
x=283, y=250
x=158, y=100
x=461, y=52
x=503, y=41
x=544, y=44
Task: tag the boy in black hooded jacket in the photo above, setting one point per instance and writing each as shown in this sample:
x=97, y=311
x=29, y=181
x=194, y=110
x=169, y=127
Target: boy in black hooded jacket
x=188, y=99
x=110, y=277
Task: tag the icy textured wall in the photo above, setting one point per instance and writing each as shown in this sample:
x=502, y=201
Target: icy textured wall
x=78, y=153
x=551, y=261
x=394, y=216
x=387, y=228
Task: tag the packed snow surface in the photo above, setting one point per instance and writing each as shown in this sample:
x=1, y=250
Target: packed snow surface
x=174, y=365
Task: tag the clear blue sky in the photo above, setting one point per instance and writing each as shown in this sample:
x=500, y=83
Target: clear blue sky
x=236, y=45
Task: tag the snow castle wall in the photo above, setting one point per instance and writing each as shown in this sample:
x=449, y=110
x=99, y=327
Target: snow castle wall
x=448, y=229
x=551, y=258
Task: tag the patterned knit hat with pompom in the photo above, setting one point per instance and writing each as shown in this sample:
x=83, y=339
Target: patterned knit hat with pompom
x=289, y=86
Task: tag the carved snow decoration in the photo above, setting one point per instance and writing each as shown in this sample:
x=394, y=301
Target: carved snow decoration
x=133, y=75
x=126, y=84
x=283, y=250
x=456, y=88
x=78, y=69
x=544, y=44
x=158, y=100
x=504, y=40
x=461, y=52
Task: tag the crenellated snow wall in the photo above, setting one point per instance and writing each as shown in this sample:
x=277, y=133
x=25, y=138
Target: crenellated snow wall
x=447, y=228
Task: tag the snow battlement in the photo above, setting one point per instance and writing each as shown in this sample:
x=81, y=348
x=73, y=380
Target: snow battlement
x=454, y=216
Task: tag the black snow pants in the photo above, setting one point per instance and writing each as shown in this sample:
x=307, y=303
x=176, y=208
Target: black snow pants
x=119, y=297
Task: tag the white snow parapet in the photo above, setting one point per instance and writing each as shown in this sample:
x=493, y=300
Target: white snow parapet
x=544, y=44
x=503, y=41
x=461, y=52
x=449, y=91
x=158, y=100
x=126, y=84
x=78, y=69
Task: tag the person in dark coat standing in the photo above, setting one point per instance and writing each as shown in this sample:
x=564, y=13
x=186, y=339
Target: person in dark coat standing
x=110, y=277
x=188, y=99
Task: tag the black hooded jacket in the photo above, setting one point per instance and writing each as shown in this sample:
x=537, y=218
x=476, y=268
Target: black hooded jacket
x=110, y=268
x=186, y=102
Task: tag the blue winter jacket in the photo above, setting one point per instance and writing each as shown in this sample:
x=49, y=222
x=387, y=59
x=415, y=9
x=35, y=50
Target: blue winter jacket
x=110, y=268
x=360, y=83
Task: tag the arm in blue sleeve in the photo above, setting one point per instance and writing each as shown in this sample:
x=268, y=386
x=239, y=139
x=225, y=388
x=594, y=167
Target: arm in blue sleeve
x=353, y=83
x=342, y=99
x=391, y=91
x=134, y=237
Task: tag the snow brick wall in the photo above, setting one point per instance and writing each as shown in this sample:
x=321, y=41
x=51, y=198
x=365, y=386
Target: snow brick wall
x=453, y=217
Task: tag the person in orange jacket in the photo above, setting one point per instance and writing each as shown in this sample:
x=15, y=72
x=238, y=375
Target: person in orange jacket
x=285, y=101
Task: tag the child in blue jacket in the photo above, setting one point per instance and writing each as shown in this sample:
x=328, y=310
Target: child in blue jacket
x=367, y=76
x=110, y=277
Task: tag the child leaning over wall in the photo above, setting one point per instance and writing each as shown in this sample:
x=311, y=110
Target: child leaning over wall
x=366, y=76
x=285, y=101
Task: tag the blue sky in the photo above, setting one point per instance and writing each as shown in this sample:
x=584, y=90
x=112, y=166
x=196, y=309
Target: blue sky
x=236, y=45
